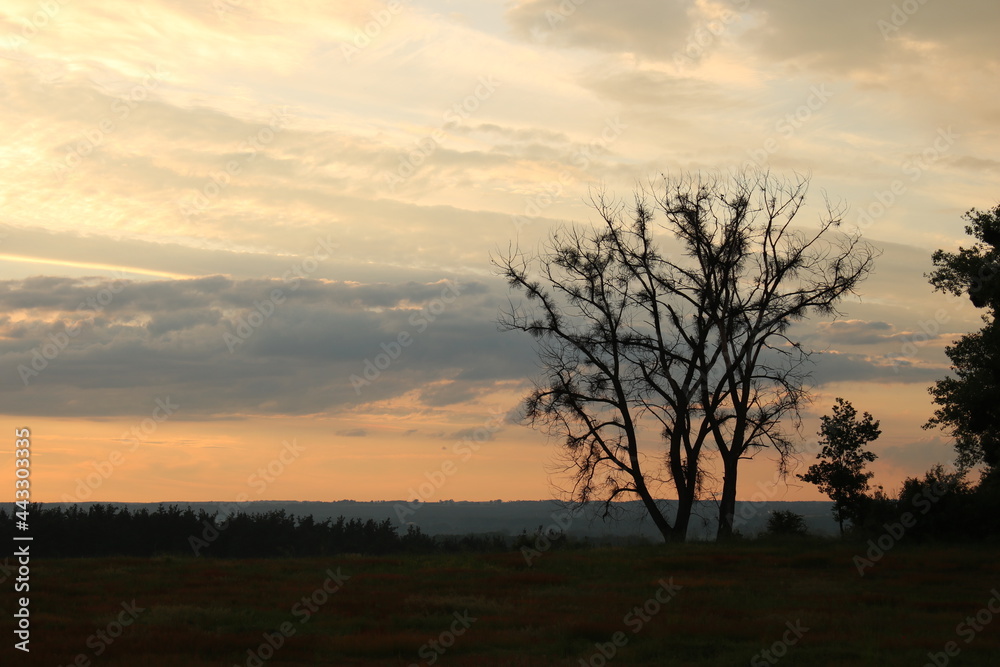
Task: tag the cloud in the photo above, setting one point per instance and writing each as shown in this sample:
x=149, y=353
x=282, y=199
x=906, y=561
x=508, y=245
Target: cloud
x=477, y=434
x=855, y=332
x=846, y=367
x=920, y=455
x=654, y=28
x=633, y=88
x=916, y=351
x=352, y=433
x=975, y=164
x=451, y=392
x=223, y=347
x=858, y=34
x=816, y=33
x=514, y=134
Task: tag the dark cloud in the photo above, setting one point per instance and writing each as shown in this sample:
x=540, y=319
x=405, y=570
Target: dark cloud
x=843, y=367
x=90, y=296
x=883, y=346
x=855, y=332
x=819, y=32
x=852, y=35
x=180, y=320
x=219, y=346
x=859, y=34
x=224, y=347
x=450, y=393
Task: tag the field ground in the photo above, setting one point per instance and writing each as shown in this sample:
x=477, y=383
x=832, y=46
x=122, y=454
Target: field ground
x=732, y=603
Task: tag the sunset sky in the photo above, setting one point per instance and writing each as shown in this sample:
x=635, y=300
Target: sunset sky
x=214, y=213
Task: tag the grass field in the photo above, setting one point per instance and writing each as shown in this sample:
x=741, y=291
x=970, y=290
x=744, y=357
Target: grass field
x=727, y=605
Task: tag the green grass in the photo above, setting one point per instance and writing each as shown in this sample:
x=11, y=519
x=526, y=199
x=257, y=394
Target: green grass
x=735, y=601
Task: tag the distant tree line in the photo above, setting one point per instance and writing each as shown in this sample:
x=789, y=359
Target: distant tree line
x=114, y=530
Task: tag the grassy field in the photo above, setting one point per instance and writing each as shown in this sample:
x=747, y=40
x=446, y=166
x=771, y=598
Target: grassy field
x=804, y=602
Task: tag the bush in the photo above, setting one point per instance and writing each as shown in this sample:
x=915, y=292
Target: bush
x=872, y=512
x=786, y=523
x=944, y=505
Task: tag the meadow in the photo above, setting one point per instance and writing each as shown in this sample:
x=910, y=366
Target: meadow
x=749, y=603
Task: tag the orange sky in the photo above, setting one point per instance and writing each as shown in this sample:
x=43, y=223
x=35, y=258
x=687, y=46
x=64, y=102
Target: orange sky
x=296, y=458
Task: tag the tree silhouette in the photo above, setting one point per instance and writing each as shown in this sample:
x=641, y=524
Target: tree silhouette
x=785, y=523
x=696, y=344
x=969, y=403
x=841, y=473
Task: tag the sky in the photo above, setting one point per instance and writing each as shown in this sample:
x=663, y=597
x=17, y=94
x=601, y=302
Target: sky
x=215, y=213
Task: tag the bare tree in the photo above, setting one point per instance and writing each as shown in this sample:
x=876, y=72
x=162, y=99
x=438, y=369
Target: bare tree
x=628, y=334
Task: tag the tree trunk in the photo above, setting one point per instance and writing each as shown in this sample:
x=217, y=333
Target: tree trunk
x=685, y=501
x=666, y=530
x=684, y=506
x=727, y=506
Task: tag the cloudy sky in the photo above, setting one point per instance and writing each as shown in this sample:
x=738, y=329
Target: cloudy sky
x=214, y=213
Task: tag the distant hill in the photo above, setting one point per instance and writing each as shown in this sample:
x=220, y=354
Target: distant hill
x=512, y=517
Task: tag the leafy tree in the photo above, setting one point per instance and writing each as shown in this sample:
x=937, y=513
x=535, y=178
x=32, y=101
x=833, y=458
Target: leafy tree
x=695, y=343
x=944, y=503
x=841, y=474
x=969, y=403
x=873, y=511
